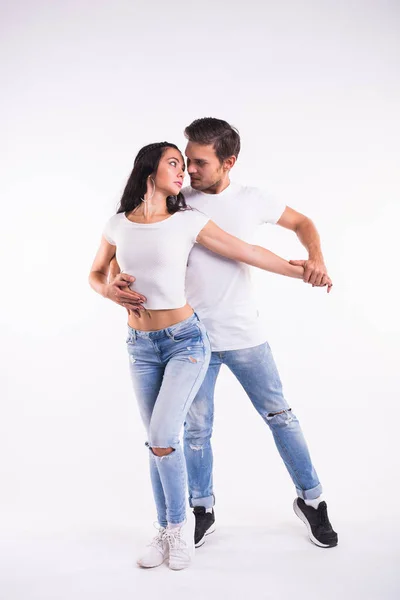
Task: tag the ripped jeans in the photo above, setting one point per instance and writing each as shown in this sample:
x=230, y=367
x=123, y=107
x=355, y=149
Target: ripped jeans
x=256, y=371
x=167, y=368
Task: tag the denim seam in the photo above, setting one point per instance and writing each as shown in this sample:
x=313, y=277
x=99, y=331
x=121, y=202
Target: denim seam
x=287, y=455
x=156, y=349
x=183, y=482
x=198, y=375
x=292, y=466
x=181, y=466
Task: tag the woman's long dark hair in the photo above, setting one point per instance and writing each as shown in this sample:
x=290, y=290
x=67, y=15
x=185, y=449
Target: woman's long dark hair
x=146, y=163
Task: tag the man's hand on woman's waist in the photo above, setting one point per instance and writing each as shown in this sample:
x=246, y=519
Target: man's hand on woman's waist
x=119, y=292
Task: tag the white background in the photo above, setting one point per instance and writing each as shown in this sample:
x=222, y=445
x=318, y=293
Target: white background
x=314, y=90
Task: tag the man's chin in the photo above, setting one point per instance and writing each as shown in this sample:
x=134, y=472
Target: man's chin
x=196, y=184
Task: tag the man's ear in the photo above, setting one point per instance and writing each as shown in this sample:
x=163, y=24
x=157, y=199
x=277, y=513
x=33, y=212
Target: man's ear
x=229, y=163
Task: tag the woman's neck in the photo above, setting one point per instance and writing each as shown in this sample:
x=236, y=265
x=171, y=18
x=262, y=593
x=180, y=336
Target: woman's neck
x=152, y=206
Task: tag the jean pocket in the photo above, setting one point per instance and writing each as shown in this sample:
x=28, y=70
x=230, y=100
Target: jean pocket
x=191, y=334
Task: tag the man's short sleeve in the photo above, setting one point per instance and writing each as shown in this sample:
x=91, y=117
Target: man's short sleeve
x=270, y=209
x=198, y=221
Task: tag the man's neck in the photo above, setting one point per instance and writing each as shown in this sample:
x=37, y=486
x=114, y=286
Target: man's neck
x=218, y=187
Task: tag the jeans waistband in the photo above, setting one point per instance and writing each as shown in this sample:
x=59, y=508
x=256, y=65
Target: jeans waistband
x=167, y=332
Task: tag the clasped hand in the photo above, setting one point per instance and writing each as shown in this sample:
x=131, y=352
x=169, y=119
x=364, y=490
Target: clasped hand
x=315, y=273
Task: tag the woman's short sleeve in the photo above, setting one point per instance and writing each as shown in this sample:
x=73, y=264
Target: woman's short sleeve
x=108, y=232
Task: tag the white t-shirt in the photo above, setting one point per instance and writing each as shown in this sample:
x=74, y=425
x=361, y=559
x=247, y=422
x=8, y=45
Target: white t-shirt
x=156, y=254
x=220, y=289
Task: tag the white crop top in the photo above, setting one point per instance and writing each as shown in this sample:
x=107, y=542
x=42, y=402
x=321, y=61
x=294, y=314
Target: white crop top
x=156, y=254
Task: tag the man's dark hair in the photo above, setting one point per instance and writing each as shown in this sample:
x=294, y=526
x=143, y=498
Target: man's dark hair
x=224, y=137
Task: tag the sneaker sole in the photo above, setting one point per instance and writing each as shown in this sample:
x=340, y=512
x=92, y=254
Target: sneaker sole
x=139, y=564
x=307, y=524
x=180, y=567
x=203, y=539
x=183, y=563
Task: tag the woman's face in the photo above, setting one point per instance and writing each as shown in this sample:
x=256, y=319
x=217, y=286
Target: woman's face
x=170, y=172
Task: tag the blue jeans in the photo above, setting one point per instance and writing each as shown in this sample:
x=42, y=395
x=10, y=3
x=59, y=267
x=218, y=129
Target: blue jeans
x=167, y=368
x=256, y=371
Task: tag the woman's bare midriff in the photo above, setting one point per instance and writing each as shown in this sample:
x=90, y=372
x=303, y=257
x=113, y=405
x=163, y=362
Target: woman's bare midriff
x=151, y=320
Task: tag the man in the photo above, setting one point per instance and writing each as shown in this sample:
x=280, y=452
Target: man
x=220, y=292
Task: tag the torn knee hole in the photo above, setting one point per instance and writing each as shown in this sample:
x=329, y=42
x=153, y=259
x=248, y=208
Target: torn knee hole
x=281, y=412
x=161, y=452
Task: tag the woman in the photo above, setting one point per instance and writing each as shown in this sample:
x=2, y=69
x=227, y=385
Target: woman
x=151, y=236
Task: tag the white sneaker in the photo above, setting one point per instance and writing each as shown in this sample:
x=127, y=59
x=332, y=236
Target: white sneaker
x=156, y=552
x=181, y=544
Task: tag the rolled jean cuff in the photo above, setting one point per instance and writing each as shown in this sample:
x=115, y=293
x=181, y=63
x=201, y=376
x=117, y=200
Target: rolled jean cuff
x=310, y=494
x=207, y=502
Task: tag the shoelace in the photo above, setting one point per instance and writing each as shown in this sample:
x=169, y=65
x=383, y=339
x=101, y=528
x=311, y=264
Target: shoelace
x=158, y=540
x=173, y=537
x=323, y=516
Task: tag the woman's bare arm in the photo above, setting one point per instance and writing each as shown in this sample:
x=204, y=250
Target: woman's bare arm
x=106, y=279
x=98, y=276
x=114, y=269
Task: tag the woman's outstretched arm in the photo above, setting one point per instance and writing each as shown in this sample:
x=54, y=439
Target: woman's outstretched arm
x=219, y=241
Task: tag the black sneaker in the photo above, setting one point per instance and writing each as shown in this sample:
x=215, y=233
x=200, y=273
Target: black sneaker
x=317, y=522
x=205, y=524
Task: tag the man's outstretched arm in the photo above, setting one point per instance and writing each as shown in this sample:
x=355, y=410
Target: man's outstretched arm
x=315, y=271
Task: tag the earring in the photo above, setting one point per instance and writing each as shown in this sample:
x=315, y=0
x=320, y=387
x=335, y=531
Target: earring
x=154, y=189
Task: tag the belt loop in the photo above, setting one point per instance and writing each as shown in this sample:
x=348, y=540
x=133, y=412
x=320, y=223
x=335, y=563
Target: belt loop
x=169, y=334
